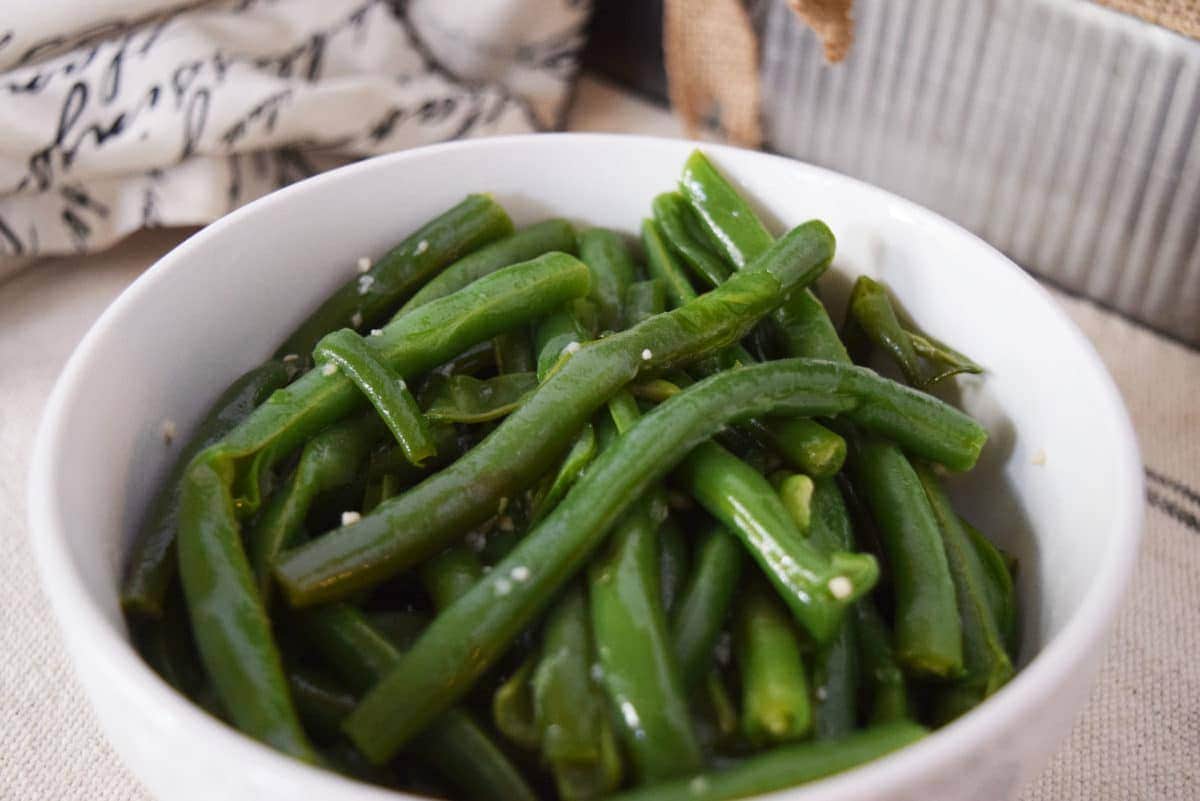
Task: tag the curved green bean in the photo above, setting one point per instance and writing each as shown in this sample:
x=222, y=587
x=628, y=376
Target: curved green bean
x=604, y=252
x=705, y=603
x=386, y=391
x=675, y=220
x=662, y=266
x=725, y=215
x=805, y=445
x=673, y=562
x=467, y=638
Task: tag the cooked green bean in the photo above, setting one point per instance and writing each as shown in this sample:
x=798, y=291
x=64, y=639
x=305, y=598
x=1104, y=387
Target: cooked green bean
x=704, y=605
x=576, y=734
x=835, y=664
x=662, y=266
x=223, y=483
x=885, y=679
x=514, y=352
x=573, y=464
x=366, y=299
x=985, y=658
x=556, y=337
x=512, y=707
x=804, y=329
x=796, y=492
x=815, y=588
x=321, y=701
x=151, y=562
x=729, y=220
x=775, y=703
x=672, y=562
x=455, y=744
x=526, y=244
x=640, y=673
x=411, y=527
x=466, y=399
x=871, y=311
x=331, y=459
x=675, y=220
x=939, y=354
x=782, y=767
x=929, y=635
x=644, y=299
x=468, y=637
x=449, y=575
x=805, y=445
x=604, y=252
x=1002, y=597
x=387, y=392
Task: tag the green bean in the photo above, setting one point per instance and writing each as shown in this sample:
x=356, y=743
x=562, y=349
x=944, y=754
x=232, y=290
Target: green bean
x=889, y=693
x=167, y=646
x=704, y=605
x=612, y=268
x=576, y=736
x=835, y=665
x=939, y=353
x=366, y=299
x=662, y=266
x=985, y=658
x=673, y=562
x=805, y=445
x=450, y=444
x=477, y=358
x=514, y=352
x=455, y=745
x=644, y=299
x=816, y=588
x=871, y=310
x=929, y=635
x=401, y=628
x=526, y=244
x=729, y=220
x=387, y=392
x=782, y=767
x=639, y=672
x=449, y=575
x=411, y=527
x=775, y=703
x=467, y=638
x=656, y=390
x=573, y=464
x=796, y=492
x=223, y=482
x=465, y=399
x=804, y=329
x=555, y=337
x=721, y=704
x=331, y=459
x=321, y=700
x=512, y=707
x=151, y=563
x=1002, y=597
x=675, y=221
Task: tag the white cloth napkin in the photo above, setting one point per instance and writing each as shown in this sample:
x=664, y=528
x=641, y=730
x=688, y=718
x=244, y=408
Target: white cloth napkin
x=122, y=114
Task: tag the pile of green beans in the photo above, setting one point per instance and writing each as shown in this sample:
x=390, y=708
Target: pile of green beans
x=580, y=522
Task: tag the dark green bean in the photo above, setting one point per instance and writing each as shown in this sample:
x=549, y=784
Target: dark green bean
x=387, y=392
x=411, y=527
x=576, y=734
x=479, y=357
x=514, y=352
x=675, y=221
x=449, y=575
x=1002, y=596
x=673, y=562
x=573, y=464
x=151, y=563
x=512, y=707
x=775, y=703
x=330, y=460
x=367, y=299
x=455, y=744
x=465, y=399
x=555, y=337
x=929, y=636
x=604, y=252
x=782, y=767
x=871, y=311
x=985, y=658
x=705, y=602
x=816, y=588
x=835, y=665
x=321, y=700
x=466, y=639
x=526, y=244
x=888, y=690
x=639, y=672
x=804, y=329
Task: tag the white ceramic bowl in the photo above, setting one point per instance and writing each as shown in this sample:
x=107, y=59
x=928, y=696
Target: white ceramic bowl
x=1060, y=483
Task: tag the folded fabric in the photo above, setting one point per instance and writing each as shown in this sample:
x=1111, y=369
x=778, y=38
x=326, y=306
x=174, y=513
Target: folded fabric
x=122, y=114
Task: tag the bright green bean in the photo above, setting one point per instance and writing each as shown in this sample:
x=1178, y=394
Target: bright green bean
x=775, y=703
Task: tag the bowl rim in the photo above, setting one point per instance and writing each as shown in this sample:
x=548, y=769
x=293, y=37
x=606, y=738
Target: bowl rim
x=86, y=629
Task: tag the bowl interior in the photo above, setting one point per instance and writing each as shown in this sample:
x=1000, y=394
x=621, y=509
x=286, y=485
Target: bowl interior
x=1055, y=474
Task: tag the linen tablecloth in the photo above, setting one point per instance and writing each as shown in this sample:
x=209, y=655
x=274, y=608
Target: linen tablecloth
x=1139, y=737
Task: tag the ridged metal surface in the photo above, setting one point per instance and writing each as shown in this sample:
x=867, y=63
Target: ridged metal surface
x=1062, y=132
